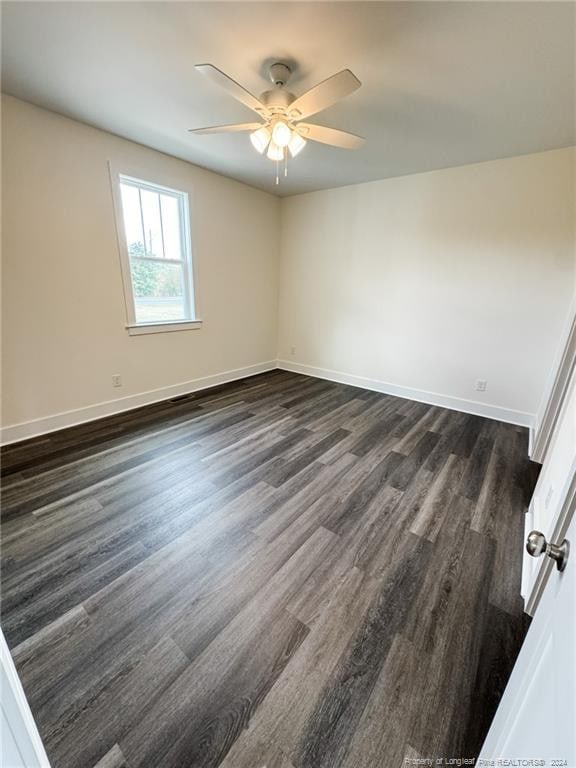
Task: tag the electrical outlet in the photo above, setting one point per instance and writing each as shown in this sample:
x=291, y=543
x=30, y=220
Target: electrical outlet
x=293, y=351
x=481, y=385
x=116, y=380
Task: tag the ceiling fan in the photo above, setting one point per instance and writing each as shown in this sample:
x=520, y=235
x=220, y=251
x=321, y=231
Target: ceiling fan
x=281, y=131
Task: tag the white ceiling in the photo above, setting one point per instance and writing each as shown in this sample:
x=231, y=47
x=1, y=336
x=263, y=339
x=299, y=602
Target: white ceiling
x=444, y=83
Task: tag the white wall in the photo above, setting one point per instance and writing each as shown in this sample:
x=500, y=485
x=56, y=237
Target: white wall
x=429, y=282
x=63, y=306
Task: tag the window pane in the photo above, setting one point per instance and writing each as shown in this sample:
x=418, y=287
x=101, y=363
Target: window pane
x=152, y=228
x=171, y=227
x=132, y=220
x=158, y=291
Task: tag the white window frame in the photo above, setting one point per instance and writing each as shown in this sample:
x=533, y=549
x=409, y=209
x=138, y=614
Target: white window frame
x=144, y=180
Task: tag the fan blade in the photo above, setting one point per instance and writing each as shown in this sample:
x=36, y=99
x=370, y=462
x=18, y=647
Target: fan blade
x=329, y=136
x=324, y=94
x=236, y=128
x=232, y=87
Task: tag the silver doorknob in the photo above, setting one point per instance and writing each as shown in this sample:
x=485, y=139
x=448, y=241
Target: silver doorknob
x=536, y=544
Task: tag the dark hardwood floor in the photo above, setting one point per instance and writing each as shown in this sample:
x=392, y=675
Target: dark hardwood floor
x=282, y=572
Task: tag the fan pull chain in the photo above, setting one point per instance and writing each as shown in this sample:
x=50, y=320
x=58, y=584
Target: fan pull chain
x=277, y=179
x=285, y=162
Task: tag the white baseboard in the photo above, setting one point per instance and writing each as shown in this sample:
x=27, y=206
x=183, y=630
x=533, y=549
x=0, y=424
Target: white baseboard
x=431, y=398
x=16, y=432
x=531, y=434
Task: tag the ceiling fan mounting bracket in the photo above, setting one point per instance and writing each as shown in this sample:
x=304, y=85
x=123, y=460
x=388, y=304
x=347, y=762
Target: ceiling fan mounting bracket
x=279, y=74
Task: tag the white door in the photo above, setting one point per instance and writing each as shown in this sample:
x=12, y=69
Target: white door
x=550, y=492
x=20, y=743
x=536, y=719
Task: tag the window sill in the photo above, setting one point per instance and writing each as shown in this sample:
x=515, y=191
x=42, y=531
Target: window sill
x=139, y=330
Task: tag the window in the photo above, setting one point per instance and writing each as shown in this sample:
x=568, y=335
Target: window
x=157, y=258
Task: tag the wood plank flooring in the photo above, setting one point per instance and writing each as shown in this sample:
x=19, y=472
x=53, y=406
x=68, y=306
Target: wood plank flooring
x=282, y=572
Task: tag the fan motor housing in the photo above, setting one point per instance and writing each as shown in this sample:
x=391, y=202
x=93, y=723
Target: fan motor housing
x=277, y=97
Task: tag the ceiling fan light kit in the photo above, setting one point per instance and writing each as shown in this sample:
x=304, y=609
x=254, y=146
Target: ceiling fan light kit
x=297, y=144
x=275, y=152
x=260, y=139
x=282, y=133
